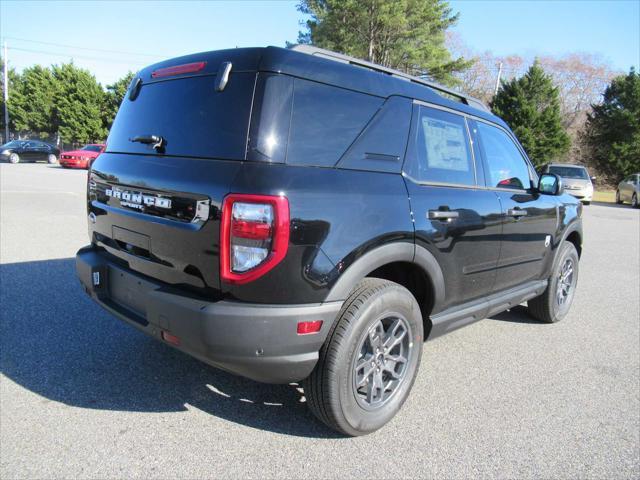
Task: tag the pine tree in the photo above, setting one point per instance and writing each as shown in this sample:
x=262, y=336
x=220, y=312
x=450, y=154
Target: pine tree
x=408, y=35
x=530, y=106
x=113, y=98
x=77, y=105
x=613, y=128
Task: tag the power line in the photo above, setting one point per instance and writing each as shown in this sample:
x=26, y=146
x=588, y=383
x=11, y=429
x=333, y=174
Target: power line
x=71, y=55
x=84, y=48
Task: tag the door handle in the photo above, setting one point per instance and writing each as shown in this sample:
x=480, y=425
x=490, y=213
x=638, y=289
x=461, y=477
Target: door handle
x=516, y=212
x=442, y=215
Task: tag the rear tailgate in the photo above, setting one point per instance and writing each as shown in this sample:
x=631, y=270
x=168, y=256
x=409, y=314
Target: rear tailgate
x=158, y=209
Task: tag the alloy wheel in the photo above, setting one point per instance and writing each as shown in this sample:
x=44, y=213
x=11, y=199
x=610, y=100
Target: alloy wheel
x=565, y=282
x=381, y=363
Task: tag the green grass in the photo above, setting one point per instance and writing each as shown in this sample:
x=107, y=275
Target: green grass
x=608, y=196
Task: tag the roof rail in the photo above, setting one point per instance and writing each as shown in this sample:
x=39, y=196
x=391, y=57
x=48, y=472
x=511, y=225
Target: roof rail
x=339, y=57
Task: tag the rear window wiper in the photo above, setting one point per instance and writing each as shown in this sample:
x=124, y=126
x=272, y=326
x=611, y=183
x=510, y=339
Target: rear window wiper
x=156, y=141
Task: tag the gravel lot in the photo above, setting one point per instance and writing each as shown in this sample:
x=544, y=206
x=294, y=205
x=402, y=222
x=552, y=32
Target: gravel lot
x=83, y=395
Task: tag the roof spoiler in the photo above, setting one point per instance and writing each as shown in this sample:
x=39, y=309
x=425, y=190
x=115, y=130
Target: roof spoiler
x=339, y=57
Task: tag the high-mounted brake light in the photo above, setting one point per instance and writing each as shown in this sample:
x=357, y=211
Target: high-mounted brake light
x=254, y=236
x=178, y=69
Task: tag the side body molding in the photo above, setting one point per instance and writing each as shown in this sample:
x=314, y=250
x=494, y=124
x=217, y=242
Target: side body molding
x=394, y=252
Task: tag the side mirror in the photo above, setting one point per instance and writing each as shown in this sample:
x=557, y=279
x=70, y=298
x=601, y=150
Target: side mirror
x=550, y=184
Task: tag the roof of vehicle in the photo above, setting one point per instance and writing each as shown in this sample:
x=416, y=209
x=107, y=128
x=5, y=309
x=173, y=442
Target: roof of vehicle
x=330, y=68
x=573, y=165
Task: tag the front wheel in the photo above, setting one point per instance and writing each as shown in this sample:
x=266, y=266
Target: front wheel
x=634, y=201
x=369, y=361
x=51, y=158
x=555, y=302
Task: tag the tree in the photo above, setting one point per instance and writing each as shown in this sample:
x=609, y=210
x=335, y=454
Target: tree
x=408, y=35
x=77, y=104
x=31, y=101
x=613, y=128
x=113, y=98
x=15, y=84
x=531, y=107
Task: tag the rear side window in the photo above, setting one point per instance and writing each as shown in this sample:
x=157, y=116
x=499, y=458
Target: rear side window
x=442, y=151
x=325, y=120
x=505, y=166
x=190, y=115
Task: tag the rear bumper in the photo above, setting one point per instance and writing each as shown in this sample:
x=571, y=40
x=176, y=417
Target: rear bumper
x=73, y=163
x=256, y=341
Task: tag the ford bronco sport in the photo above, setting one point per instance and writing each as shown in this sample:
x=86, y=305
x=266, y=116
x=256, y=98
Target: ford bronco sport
x=296, y=215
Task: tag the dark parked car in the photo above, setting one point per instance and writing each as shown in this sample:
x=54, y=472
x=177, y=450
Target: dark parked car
x=301, y=216
x=18, y=151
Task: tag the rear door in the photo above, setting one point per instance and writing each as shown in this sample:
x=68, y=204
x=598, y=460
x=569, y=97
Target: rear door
x=529, y=220
x=158, y=208
x=456, y=218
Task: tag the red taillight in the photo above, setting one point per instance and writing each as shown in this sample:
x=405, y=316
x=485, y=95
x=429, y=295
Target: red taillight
x=178, y=69
x=253, y=230
x=254, y=236
x=305, y=328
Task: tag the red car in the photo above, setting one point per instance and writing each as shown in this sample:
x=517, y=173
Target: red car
x=82, y=158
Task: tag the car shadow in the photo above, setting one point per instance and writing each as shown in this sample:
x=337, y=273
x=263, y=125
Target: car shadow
x=57, y=343
x=611, y=205
x=517, y=314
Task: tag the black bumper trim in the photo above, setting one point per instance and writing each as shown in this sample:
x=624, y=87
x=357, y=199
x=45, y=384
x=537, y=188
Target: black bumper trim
x=253, y=340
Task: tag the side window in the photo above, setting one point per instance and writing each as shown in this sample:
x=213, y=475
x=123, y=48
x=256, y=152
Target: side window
x=505, y=166
x=442, y=151
x=325, y=121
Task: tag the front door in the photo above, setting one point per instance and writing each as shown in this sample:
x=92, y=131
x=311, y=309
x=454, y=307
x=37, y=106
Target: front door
x=529, y=220
x=456, y=219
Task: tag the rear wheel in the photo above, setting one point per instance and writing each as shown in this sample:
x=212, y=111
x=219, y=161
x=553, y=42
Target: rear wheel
x=14, y=158
x=618, y=199
x=634, y=201
x=51, y=158
x=554, y=304
x=369, y=361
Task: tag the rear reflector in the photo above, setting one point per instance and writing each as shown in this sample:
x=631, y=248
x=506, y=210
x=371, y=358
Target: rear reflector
x=178, y=69
x=305, y=328
x=172, y=339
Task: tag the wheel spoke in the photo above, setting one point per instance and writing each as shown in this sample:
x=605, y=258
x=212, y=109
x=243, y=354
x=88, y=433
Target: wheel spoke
x=394, y=335
x=365, y=366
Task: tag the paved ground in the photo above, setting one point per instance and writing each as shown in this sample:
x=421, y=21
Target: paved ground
x=83, y=395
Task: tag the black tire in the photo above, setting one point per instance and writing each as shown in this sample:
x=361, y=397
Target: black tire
x=618, y=201
x=51, y=158
x=587, y=202
x=14, y=158
x=634, y=201
x=331, y=391
x=548, y=307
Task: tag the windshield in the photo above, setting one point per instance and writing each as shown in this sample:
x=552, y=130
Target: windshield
x=92, y=148
x=570, y=172
x=13, y=144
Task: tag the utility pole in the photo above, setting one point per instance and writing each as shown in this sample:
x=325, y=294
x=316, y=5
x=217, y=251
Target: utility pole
x=6, y=94
x=495, y=92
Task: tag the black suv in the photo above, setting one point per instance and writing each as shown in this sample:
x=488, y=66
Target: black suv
x=297, y=215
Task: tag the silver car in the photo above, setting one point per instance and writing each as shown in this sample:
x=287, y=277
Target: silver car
x=629, y=190
x=575, y=178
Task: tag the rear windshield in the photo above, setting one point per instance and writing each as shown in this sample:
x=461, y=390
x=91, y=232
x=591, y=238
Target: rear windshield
x=91, y=148
x=570, y=172
x=193, y=118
